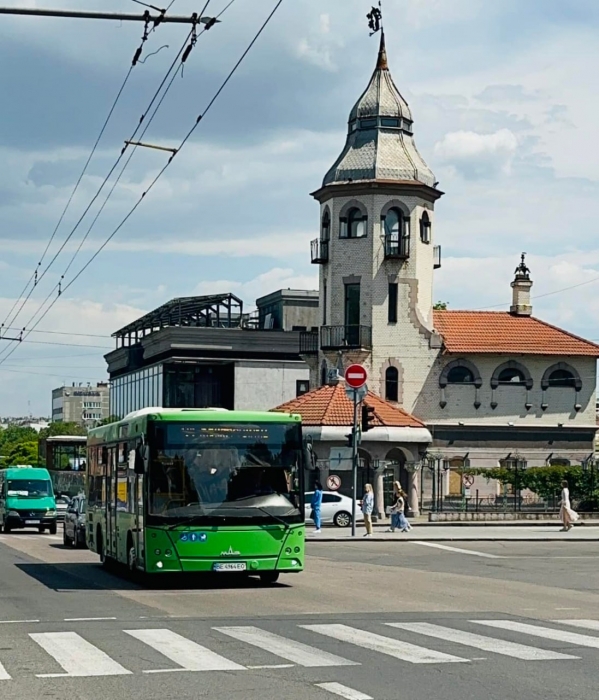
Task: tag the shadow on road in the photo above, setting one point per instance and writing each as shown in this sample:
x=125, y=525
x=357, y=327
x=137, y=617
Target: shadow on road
x=94, y=577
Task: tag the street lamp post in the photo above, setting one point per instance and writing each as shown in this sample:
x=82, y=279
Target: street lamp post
x=436, y=463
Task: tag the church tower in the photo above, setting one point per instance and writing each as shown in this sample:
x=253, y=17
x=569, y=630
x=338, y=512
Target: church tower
x=376, y=248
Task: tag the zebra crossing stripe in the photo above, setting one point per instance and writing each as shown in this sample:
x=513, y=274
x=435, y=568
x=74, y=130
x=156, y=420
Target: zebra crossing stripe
x=478, y=641
x=298, y=653
x=3, y=674
x=77, y=656
x=187, y=654
x=385, y=645
x=343, y=691
x=582, y=640
x=585, y=624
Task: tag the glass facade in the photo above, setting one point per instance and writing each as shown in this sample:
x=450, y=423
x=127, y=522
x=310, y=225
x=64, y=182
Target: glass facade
x=136, y=390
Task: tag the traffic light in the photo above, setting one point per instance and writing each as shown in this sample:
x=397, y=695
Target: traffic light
x=367, y=417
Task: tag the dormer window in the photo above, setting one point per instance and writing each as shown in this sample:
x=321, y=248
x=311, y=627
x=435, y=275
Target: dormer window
x=425, y=228
x=354, y=224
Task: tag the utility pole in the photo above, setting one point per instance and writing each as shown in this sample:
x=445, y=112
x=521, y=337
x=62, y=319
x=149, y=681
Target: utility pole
x=161, y=18
x=354, y=464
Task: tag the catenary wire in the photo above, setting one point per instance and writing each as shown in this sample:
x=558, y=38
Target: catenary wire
x=161, y=172
x=191, y=36
x=103, y=184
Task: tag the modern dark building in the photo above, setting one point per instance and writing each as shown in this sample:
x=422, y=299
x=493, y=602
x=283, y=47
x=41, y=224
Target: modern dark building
x=203, y=351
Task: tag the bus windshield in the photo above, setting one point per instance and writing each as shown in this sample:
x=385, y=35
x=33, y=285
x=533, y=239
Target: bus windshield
x=221, y=470
x=29, y=488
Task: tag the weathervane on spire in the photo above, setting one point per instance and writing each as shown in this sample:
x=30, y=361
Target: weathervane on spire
x=522, y=269
x=375, y=19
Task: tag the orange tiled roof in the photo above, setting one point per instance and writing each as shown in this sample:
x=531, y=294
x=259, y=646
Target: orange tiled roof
x=499, y=332
x=330, y=405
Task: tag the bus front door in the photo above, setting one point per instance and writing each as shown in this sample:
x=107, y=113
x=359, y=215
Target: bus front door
x=111, y=493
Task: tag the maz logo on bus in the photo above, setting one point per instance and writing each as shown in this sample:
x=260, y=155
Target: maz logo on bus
x=230, y=553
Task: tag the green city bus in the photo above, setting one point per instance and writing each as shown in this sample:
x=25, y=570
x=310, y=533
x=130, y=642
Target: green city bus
x=198, y=490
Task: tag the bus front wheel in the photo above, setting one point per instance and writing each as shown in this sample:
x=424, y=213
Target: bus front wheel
x=269, y=577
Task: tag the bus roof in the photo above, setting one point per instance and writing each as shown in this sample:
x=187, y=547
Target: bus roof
x=25, y=472
x=136, y=422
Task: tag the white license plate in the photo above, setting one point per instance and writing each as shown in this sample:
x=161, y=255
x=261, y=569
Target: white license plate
x=32, y=522
x=230, y=566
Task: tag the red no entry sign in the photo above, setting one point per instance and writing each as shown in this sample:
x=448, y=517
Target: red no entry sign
x=356, y=376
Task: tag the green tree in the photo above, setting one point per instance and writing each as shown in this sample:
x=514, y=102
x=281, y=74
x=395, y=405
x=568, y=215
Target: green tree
x=60, y=428
x=441, y=306
x=22, y=453
x=12, y=437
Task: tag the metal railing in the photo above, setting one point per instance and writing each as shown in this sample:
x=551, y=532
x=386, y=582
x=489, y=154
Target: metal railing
x=397, y=247
x=319, y=251
x=338, y=337
x=308, y=342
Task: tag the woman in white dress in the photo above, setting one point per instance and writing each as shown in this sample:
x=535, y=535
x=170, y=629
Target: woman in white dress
x=566, y=513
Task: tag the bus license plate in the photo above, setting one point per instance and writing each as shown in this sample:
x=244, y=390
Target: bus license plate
x=32, y=522
x=230, y=566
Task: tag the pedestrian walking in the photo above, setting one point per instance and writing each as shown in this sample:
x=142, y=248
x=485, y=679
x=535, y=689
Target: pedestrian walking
x=316, y=504
x=367, y=508
x=566, y=513
x=398, y=518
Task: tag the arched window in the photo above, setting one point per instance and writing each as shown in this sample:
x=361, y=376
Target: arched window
x=425, y=228
x=562, y=378
x=511, y=375
x=392, y=384
x=460, y=375
x=325, y=231
x=353, y=225
x=396, y=231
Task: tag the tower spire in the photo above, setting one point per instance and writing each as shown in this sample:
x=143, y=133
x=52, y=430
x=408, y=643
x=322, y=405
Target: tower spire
x=382, y=63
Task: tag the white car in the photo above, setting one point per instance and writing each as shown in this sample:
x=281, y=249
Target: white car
x=335, y=508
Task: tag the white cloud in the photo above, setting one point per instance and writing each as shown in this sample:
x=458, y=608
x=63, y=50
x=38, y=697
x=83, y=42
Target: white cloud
x=271, y=281
x=318, y=48
x=478, y=155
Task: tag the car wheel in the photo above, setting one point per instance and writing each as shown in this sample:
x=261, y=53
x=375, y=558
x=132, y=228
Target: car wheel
x=6, y=528
x=53, y=529
x=342, y=519
x=269, y=577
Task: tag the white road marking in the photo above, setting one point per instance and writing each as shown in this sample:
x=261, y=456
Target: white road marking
x=478, y=641
x=585, y=624
x=343, y=691
x=3, y=674
x=16, y=622
x=458, y=550
x=567, y=608
x=272, y=666
x=88, y=619
x=77, y=656
x=582, y=640
x=298, y=653
x=385, y=645
x=189, y=655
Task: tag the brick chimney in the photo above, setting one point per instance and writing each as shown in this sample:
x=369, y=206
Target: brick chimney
x=521, y=285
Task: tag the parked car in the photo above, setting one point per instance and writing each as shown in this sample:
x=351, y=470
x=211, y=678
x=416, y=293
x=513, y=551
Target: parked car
x=62, y=504
x=74, y=523
x=335, y=508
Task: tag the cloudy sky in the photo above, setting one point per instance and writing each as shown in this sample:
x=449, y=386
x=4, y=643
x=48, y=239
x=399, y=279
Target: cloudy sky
x=505, y=114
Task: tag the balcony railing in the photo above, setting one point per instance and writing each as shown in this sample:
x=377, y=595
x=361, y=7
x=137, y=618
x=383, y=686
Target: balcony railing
x=319, y=251
x=437, y=257
x=308, y=342
x=337, y=337
x=396, y=247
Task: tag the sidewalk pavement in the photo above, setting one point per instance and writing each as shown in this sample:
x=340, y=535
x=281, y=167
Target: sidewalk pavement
x=537, y=532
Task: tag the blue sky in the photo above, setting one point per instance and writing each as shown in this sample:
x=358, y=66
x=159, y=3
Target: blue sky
x=505, y=113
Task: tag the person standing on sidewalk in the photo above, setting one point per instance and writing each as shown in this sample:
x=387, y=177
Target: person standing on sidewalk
x=398, y=519
x=566, y=513
x=316, y=504
x=367, y=508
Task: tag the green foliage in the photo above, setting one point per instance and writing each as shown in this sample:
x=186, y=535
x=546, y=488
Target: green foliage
x=11, y=438
x=60, y=428
x=22, y=453
x=441, y=306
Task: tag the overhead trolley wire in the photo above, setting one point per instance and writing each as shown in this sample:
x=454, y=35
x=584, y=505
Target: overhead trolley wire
x=160, y=173
x=37, y=277
x=34, y=276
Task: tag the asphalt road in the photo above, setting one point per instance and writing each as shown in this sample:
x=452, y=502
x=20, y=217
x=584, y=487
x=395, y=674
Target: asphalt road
x=381, y=620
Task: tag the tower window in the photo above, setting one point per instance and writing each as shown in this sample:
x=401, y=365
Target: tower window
x=325, y=231
x=396, y=229
x=562, y=378
x=511, y=375
x=354, y=224
x=460, y=375
x=392, y=311
x=392, y=384
x=425, y=228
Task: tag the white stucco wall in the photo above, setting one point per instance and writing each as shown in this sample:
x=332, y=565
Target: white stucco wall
x=261, y=386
